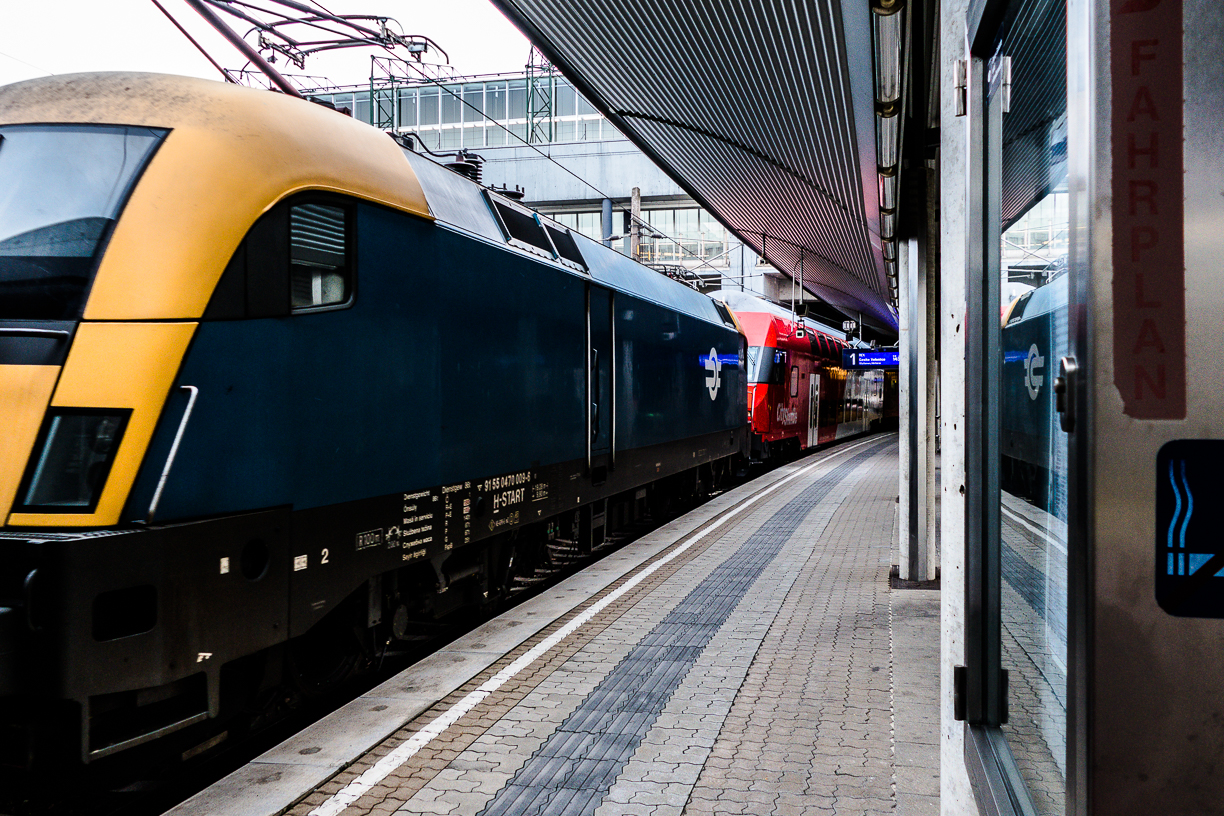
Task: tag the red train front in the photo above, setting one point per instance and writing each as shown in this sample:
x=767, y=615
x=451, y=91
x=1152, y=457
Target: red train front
x=799, y=395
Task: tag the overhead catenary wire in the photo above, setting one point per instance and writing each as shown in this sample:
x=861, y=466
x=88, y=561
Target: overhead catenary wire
x=228, y=76
x=459, y=96
x=325, y=21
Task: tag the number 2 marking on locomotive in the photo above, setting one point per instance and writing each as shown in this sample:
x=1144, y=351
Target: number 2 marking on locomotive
x=324, y=559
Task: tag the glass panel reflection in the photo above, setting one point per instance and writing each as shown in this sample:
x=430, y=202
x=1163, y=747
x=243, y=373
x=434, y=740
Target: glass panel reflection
x=1033, y=467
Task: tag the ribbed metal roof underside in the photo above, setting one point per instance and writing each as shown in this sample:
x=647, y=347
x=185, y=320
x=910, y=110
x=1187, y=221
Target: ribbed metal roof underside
x=1035, y=129
x=749, y=107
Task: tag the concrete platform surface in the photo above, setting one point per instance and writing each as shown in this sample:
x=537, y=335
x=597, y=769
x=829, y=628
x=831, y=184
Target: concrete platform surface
x=747, y=658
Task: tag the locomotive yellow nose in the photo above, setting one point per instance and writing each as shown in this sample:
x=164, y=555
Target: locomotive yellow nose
x=99, y=414
x=25, y=392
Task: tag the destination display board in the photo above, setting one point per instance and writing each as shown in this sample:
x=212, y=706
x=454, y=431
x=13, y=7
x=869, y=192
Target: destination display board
x=857, y=358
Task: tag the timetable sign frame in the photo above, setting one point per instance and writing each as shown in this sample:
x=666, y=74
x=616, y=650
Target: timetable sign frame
x=857, y=358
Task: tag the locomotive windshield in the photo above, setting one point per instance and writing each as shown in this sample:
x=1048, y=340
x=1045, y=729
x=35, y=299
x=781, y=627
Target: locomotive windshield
x=766, y=365
x=61, y=189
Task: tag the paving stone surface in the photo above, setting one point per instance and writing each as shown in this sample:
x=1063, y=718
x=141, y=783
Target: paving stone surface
x=752, y=674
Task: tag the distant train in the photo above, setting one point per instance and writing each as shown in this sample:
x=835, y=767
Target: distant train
x=273, y=389
x=799, y=395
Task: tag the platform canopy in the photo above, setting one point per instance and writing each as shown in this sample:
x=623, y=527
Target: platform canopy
x=764, y=112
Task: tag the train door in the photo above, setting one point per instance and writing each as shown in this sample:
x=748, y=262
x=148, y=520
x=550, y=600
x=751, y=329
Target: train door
x=601, y=418
x=849, y=423
x=857, y=403
x=813, y=409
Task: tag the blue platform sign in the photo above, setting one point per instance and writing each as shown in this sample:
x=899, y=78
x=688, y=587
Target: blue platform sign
x=1189, y=516
x=857, y=358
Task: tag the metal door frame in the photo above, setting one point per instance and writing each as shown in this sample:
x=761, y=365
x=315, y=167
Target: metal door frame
x=995, y=776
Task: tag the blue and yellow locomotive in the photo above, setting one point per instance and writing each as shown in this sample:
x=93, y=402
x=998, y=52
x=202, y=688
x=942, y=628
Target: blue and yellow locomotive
x=273, y=387
x=1034, y=338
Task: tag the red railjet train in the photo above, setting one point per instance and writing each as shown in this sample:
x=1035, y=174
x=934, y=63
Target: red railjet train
x=799, y=395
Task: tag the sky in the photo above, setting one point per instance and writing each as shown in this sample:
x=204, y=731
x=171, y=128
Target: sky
x=70, y=36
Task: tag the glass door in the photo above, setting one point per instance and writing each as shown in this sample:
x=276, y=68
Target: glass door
x=1019, y=292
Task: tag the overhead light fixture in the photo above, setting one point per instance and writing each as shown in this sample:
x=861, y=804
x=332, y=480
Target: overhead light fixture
x=890, y=250
x=886, y=138
x=890, y=267
x=888, y=189
x=888, y=223
x=889, y=23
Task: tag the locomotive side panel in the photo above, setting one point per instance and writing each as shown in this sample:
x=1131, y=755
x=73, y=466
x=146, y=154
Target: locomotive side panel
x=511, y=360
x=236, y=450
x=669, y=385
x=139, y=625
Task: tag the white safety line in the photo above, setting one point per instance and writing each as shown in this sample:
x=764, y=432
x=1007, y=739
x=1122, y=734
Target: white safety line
x=401, y=754
x=1050, y=537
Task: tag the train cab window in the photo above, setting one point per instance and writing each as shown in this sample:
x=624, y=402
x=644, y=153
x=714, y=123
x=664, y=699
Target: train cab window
x=767, y=365
x=64, y=187
x=319, y=269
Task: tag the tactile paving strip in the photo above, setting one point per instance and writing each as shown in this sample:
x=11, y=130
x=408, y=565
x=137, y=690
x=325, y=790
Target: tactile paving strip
x=573, y=770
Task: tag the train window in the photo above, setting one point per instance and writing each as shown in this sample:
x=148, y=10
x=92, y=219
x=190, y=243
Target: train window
x=755, y=359
x=778, y=374
x=566, y=246
x=1016, y=313
x=522, y=228
x=255, y=283
x=64, y=187
x=725, y=314
x=319, y=269
x=74, y=452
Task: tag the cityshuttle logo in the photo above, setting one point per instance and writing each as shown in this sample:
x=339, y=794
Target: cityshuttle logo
x=714, y=378
x=1033, y=364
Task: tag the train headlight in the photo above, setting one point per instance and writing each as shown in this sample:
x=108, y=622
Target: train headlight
x=72, y=459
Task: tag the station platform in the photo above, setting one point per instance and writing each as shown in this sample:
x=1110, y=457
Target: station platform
x=748, y=657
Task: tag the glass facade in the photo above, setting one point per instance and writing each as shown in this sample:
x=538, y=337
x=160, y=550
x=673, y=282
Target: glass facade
x=489, y=113
x=684, y=236
x=1034, y=248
